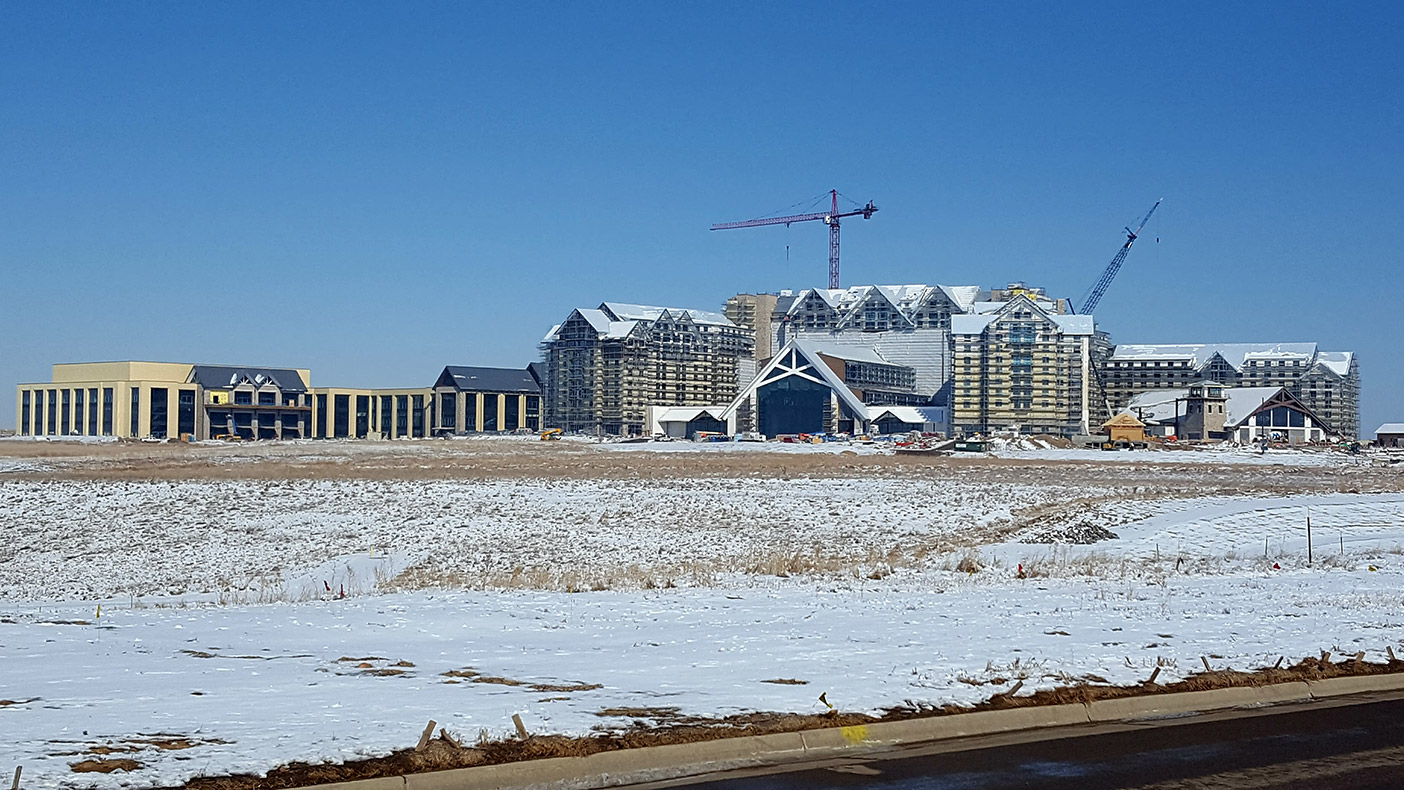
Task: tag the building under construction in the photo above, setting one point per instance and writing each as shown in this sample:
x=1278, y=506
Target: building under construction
x=603, y=367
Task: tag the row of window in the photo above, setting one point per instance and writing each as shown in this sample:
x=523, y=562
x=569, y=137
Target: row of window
x=90, y=411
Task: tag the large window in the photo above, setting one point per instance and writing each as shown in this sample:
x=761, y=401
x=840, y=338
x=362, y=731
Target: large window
x=341, y=416
x=321, y=416
x=24, y=425
x=268, y=398
x=401, y=415
x=387, y=415
x=418, y=401
x=80, y=411
x=470, y=412
x=533, y=412
x=185, y=413
x=92, y=412
x=243, y=398
x=38, y=412
x=362, y=416
x=106, y=411
x=159, y=413
x=490, y=413
x=53, y=412
x=509, y=419
x=136, y=412
x=448, y=402
x=67, y=396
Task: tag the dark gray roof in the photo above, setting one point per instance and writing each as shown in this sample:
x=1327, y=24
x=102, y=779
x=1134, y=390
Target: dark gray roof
x=221, y=377
x=467, y=379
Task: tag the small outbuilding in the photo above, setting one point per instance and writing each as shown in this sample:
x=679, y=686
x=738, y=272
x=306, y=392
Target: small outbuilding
x=1391, y=434
x=1125, y=426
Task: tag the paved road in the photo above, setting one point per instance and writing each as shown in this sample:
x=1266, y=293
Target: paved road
x=1321, y=746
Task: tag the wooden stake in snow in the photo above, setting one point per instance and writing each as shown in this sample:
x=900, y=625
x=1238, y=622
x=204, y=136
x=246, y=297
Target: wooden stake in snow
x=1018, y=684
x=1207, y=668
x=1390, y=651
x=1325, y=656
x=1358, y=657
x=449, y=739
x=18, y=769
x=1155, y=674
x=425, y=736
x=521, y=728
x=1278, y=665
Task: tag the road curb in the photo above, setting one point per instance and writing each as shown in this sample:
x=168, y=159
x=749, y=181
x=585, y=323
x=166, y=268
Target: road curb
x=658, y=763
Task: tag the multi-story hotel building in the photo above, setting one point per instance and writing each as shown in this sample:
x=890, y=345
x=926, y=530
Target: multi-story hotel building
x=602, y=368
x=1327, y=382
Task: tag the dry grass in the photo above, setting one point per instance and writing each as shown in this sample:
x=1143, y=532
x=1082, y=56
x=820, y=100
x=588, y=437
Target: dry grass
x=657, y=726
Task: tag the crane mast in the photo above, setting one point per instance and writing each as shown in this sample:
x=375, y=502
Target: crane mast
x=830, y=218
x=1095, y=295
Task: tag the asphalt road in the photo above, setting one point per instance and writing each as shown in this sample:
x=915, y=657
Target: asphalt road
x=1321, y=746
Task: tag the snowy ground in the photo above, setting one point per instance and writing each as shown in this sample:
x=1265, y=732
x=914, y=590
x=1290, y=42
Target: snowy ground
x=570, y=600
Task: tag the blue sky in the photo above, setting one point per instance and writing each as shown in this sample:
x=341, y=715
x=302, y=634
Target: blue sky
x=375, y=191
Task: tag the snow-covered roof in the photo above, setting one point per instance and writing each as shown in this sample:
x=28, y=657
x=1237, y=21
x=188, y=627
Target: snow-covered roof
x=1163, y=405
x=970, y=324
x=912, y=415
x=1390, y=427
x=1337, y=362
x=622, y=311
x=1074, y=324
x=907, y=299
x=1199, y=354
x=690, y=413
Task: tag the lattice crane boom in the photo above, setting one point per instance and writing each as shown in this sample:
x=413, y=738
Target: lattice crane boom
x=830, y=218
x=1099, y=290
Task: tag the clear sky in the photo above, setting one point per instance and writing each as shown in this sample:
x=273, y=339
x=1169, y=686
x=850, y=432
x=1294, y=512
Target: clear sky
x=375, y=191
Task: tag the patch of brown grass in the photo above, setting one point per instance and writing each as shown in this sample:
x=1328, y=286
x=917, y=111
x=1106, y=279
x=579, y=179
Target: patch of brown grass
x=104, y=766
x=787, y=682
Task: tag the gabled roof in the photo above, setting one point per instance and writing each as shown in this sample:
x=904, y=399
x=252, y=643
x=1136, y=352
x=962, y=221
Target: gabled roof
x=849, y=354
x=470, y=379
x=220, y=377
x=778, y=368
x=623, y=311
x=912, y=415
x=690, y=413
x=1199, y=354
x=976, y=323
x=1241, y=403
x=1337, y=362
x=1390, y=427
x=1124, y=420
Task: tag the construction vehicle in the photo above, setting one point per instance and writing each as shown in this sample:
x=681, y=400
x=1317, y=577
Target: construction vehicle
x=551, y=435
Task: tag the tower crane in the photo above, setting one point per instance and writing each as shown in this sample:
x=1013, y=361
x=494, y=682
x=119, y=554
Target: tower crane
x=1089, y=303
x=830, y=217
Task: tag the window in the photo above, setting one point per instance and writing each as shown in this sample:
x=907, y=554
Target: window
x=136, y=412
x=268, y=398
x=79, y=412
x=418, y=406
x=321, y=415
x=185, y=412
x=341, y=416
x=401, y=415
x=64, y=415
x=470, y=412
x=509, y=418
x=106, y=411
x=243, y=398
x=533, y=412
x=448, y=403
x=490, y=413
x=24, y=425
x=53, y=412
x=158, y=413
x=387, y=414
x=92, y=412
x=362, y=416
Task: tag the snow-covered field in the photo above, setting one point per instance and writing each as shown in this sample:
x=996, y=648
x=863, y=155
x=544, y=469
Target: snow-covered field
x=588, y=603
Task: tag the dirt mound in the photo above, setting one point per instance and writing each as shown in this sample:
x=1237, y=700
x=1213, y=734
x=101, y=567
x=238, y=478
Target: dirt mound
x=662, y=726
